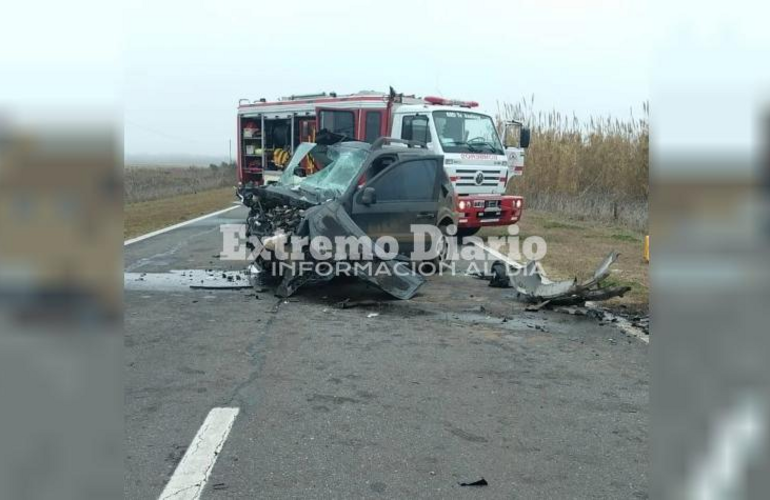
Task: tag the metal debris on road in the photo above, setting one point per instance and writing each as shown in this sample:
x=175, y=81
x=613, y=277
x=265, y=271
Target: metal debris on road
x=533, y=286
x=220, y=287
x=349, y=304
x=480, y=482
x=185, y=279
x=634, y=325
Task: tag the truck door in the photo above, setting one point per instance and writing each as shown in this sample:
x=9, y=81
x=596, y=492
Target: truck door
x=415, y=127
x=341, y=121
x=514, y=150
x=403, y=193
x=374, y=124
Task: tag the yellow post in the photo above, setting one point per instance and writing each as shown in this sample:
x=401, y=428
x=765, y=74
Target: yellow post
x=647, y=248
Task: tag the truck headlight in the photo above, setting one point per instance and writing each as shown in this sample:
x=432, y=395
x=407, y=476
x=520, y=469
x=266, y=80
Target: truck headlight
x=461, y=205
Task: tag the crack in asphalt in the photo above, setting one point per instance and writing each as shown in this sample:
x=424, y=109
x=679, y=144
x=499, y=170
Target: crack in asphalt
x=236, y=396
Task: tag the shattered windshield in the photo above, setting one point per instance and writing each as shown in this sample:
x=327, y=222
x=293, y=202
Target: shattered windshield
x=466, y=132
x=333, y=168
x=289, y=176
x=338, y=175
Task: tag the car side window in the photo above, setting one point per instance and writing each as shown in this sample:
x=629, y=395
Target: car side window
x=413, y=180
x=415, y=128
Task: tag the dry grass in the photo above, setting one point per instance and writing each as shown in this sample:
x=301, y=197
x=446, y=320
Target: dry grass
x=596, y=170
x=146, y=216
x=577, y=247
x=147, y=183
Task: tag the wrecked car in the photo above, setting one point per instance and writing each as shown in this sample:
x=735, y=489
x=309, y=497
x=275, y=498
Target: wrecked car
x=358, y=193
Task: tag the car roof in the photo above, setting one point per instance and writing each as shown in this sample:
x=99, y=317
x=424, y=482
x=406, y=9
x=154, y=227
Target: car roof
x=348, y=145
x=389, y=149
x=401, y=151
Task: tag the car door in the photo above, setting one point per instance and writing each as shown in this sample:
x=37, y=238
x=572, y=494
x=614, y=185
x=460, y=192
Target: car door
x=404, y=193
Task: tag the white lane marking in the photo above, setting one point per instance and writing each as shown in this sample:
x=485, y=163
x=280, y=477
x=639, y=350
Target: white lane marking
x=177, y=226
x=193, y=470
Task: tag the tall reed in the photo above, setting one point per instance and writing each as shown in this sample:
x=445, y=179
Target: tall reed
x=594, y=168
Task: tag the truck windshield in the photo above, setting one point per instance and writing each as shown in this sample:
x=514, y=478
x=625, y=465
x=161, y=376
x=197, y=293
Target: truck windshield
x=466, y=132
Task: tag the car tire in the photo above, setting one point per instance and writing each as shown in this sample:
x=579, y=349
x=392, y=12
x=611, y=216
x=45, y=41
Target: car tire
x=435, y=263
x=462, y=232
x=467, y=231
x=442, y=254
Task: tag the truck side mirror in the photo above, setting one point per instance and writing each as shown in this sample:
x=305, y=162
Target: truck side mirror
x=369, y=196
x=524, y=137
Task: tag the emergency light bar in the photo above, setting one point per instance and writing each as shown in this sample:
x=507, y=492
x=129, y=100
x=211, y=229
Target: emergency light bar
x=450, y=102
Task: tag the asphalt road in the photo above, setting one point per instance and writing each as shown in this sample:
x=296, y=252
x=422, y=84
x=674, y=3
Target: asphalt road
x=333, y=403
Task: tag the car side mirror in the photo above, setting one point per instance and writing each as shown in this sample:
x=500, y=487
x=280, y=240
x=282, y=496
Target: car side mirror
x=524, y=137
x=369, y=196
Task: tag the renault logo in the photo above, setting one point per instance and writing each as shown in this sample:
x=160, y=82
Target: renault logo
x=479, y=177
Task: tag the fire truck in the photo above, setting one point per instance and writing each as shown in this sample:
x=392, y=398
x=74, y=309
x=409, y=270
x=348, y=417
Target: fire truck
x=478, y=164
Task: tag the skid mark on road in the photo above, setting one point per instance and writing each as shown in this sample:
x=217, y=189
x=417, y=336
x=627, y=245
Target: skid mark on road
x=193, y=471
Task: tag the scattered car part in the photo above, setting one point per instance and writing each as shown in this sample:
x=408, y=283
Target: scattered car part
x=532, y=284
x=349, y=304
x=222, y=287
x=480, y=482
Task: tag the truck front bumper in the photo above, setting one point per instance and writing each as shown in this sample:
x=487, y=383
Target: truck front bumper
x=488, y=210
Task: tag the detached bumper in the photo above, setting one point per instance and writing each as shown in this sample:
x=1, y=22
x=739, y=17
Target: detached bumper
x=479, y=211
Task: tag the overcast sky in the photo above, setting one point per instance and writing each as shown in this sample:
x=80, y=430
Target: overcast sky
x=187, y=64
x=173, y=71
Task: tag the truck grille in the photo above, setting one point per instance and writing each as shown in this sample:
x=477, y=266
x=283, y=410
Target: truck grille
x=468, y=177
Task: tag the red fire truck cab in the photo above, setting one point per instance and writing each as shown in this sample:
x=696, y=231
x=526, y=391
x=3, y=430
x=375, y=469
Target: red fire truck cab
x=475, y=160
